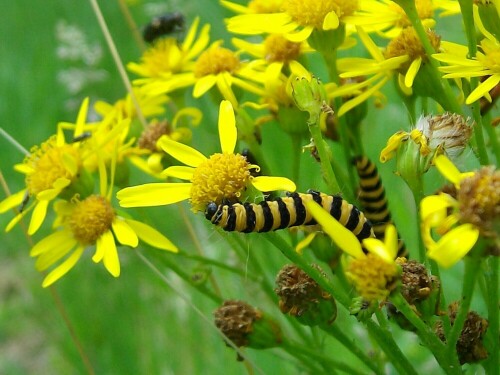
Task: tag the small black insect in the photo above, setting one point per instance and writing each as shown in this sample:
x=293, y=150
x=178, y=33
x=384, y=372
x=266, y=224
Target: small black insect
x=163, y=25
x=83, y=136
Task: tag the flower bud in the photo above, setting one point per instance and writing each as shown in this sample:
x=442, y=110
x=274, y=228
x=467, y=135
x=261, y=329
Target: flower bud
x=246, y=326
x=302, y=297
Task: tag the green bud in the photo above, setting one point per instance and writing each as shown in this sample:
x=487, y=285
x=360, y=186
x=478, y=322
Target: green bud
x=309, y=96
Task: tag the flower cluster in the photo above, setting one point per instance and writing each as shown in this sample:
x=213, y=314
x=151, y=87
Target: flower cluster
x=220, y=123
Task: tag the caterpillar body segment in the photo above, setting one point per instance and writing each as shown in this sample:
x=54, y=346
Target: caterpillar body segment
x=285, y=212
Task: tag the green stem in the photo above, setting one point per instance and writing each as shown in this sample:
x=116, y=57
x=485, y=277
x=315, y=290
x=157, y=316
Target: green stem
x=493, y=138
x=417, y=190
x=429, y=338
x=470, y=29
x=296, y=153
x=174, y=266
x=326, y=362
x=391, y=349
x=339, y=335
x=478, y=132
x=472, y=267
x=331, y=63
x=324, y=156
x=492, y=281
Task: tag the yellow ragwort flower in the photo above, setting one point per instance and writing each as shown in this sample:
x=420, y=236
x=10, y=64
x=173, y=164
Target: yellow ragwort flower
x=461, y=219
x=91, y=222
x=373, y=274
x=484, y=65
x=222, y=176
x=49, y=169
x=296, y=20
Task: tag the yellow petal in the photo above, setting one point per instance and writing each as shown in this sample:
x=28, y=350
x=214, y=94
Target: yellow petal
x=266, y=183
x=412, y=71
x=305, y=243
x=203, y=85
x=63, y=268
x=48, y=258
x=82, y=116
x=183, y=173
x=181, y=152
x=331, y=21
x=13, y=201
x=301, y=35
x=55, y=240
x=155, y=194
x=38, y=216
x=448, y=169
x=15, y=220
x=227, y=127
x=377, y=247
x=124, y=233
x=433, y=209
x=151, y=236
x=454, y=245
x=483, y=89
x=392, y=146
x=106, y=245
x=342, y=237
x=70, y=163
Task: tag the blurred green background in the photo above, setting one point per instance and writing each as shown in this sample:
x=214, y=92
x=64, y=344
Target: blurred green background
x=136, y=324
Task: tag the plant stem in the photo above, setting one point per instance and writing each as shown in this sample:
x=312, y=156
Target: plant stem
x=472, y=266
x=391, y=349
x=337, y=333
x=448, y=363
x=326, y=362
x=324, y=156
x=492, y=281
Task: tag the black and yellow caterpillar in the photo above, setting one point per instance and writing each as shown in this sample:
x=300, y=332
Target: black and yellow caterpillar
x=285, y=212
x=372, y=198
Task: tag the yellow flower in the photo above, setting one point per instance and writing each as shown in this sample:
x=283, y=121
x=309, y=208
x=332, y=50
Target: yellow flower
x=254, y=6
x=403, y=55
x=175, y=130
x=167, y=57
x=91, y=222
x=484, y=64
x=476, y=207
x=216, y=66
x=222, y=176
x=373, y=274
x=150, y=105
x=380, y=70
x=388, y=18
x=50, y=169
x=297, y=19
x=274, y=54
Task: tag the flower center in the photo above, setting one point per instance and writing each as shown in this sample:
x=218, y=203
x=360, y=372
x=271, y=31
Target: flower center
x=491, y=58
x=216, y=60
x=313, y=12
x=157, y=60
x=279, y=49
x=408, y=43
x=265, y=6
x=479, y=200
x=49, y=163
x=221, y=177
x=373, y=278
x=151, y=134
x=91, y=218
